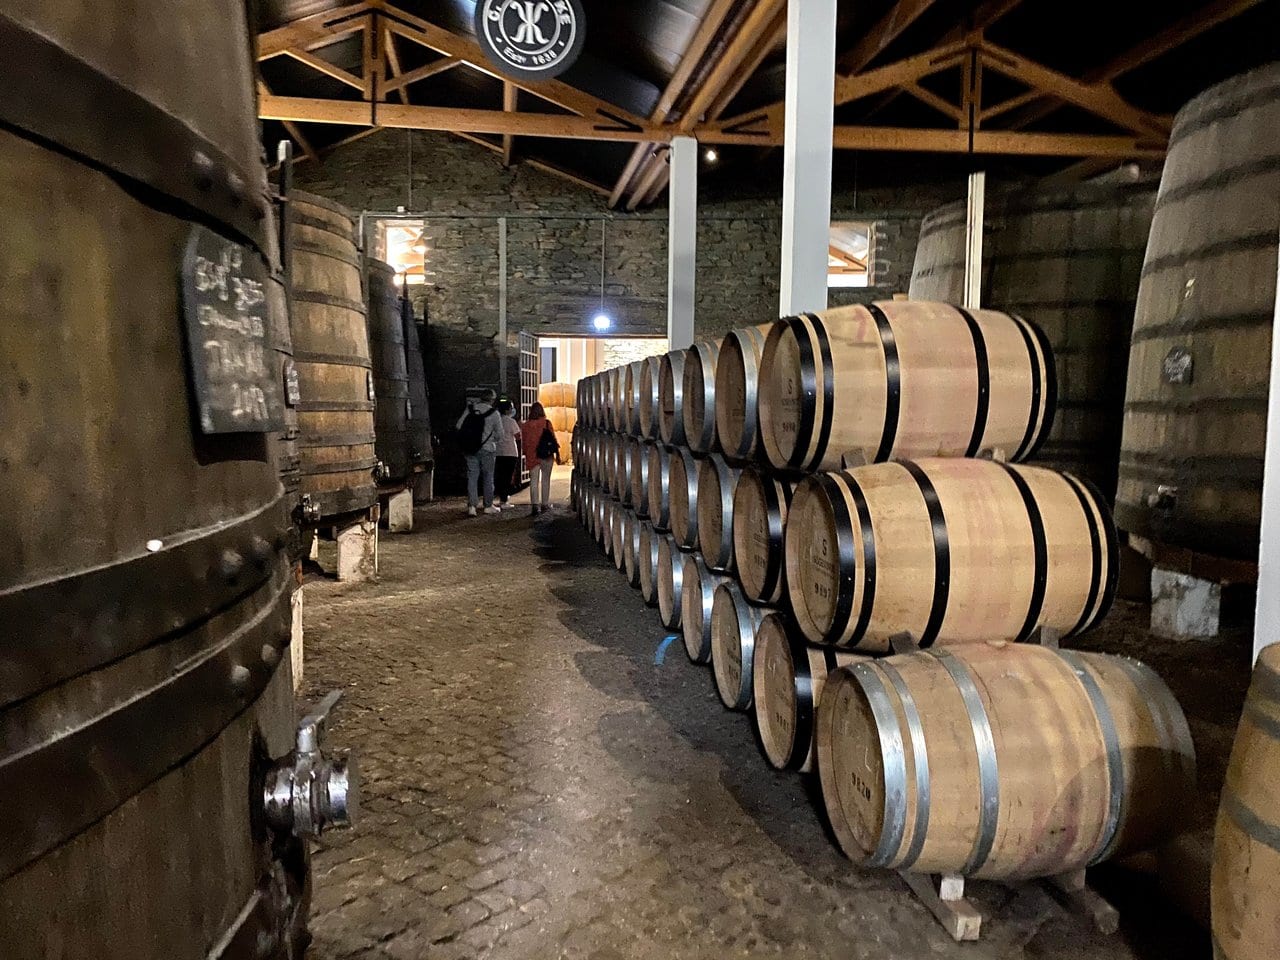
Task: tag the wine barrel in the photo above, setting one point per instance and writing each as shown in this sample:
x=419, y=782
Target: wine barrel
x=1069, y=758
x=737, y=392
x=906, y=380
x=671, y=397
x=144, y=588
x=734, y=622
x=631, y=548
x=761, y=502
x=587, y=400
x=640, y=476
x=618, y=399
x=699, y=395
x=1070, y=258
x=660, y=486
x=634, y=381
x=608, y=464
x=617, y=537
x=670, y=582
x=649, y=401
x=717, y=484
x=621, y=482
x=683, y=496
x=951, y=551
x=284, y=442
x=557, y=394
x=698, y=588
x=421, y=449
x=1246, y=847
x=1199, y=371
x=647, y=562
x=787, y=683
x=390, y=372
x=331, y=348
x=604, y=532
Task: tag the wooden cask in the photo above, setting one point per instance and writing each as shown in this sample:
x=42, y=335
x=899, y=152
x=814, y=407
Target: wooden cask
x=1001, y=760
x=631, y=547
x=683, y=496
x=734, y=623
x=699, y=589
x=557, y=395
x=618, y=533
x=761, y=502
x=622, y=467
x=717, y=484
x=952, y=551
x=738, y=392
x=660, y=486
x=609, y=387
x=421, y=446
x=1070, y=258
x=1246, y=851
x=633, y=380
x=390, y=366
x=865, y=384
x=671, y=397
x=640, y=476
x=605, y=531
x=647, y=562
x=650, y=381
x=699, y=396
x=590, y=400
x=787, y=682
x=1199, y=370
x=670, y=582
x=619, y=408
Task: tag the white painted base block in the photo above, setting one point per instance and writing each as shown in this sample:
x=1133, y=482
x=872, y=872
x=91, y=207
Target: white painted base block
x=1184, y=607
x=315, y=548
x=295, y=641
x=400, y=512
x=358, y=551
x=424, y=485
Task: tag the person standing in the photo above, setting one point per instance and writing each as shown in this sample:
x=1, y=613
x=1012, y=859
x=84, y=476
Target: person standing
x=479, y=428
x=541, y=453
x=508, y=460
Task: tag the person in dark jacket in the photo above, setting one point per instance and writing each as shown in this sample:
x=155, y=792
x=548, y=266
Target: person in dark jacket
x=481, y=463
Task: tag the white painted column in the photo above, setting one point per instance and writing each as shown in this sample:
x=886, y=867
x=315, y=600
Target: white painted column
x=682, y=241
x=806, y=177
x=973, y=228
x=1266, y=621
x=502, y=305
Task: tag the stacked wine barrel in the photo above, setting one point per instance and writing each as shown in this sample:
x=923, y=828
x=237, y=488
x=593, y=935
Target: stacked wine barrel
x=561, y=403
x=833, y=511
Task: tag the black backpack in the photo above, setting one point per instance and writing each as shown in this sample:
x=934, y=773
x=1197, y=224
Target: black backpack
x=471, y=433
x=548, y=445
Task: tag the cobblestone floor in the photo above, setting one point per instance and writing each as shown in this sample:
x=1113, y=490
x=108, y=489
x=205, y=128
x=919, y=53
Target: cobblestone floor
x=536, y=787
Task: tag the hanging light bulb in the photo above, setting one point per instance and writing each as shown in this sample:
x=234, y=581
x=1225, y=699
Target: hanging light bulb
x=602, y=321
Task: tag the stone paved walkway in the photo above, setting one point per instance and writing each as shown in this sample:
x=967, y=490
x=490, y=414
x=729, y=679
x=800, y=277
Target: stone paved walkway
x=536, y=787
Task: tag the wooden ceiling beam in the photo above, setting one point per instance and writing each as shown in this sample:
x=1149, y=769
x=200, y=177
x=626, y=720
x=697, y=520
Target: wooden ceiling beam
x=944, y=107
x=321, y=65
x=886, y=30
x=291, y=128
x=510, y=104
x=536, y=164
x=402, y=80
x=769, y=41
x=310, y=33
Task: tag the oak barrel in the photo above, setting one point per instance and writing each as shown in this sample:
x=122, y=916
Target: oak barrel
x=650, y=382
x=622, y=453
x=284, y=442
x=699, y=589
x=951, y=551
x=1196, y=405
x=717, y=484
x=640, y=476
x=144, y=587
x=738, y=391
x=390, y=372
x=1001, y=760
x=670, y=582
x=617, y=537
x=683, y=497
x=699, y=396
x=671, y=397
x=631, y=548
x=1070, y=258
x=331, y=348
x=865, y=384
x=647, y=562
x=660, y=486
x=633, y=380
x=761, y=502
x=787, y=681
x=1246, y=851
x=618, y=406
x=734, y=622
x=421, y=449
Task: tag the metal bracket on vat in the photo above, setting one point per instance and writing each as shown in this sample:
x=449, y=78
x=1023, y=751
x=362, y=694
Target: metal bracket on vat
x=307, y=792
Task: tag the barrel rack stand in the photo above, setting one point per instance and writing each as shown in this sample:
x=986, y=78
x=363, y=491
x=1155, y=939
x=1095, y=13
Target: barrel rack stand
x=943, y=894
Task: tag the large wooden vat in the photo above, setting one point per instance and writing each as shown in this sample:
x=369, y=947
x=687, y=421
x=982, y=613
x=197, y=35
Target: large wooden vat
x=1196, y=406
x=761, y=502
x=1246, y=848
x=1070, y=260
x=390, y=366
x=331, y=348
x=698, y=587
x=285, y=442
x=865, y=384
x=737, y=392
x=1001, y=760
x=734, y=622
x=421, y=449
x=144, y=589
x=699, y=396
x=787, y=679
x=952, y=551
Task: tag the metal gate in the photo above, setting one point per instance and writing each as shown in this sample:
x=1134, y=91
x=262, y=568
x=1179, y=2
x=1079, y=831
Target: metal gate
x=530, y=377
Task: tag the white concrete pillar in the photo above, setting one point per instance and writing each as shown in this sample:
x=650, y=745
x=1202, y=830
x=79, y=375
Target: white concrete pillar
x=973, y=228
x=806, y=178
x=400, y=511
x=682, y=241
x=1266, y=621
x=358, y=551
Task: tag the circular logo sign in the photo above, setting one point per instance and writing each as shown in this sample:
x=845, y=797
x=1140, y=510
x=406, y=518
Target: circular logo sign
x=531, y=39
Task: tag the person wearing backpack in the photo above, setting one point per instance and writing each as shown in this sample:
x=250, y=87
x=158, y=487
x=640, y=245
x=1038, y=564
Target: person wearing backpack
x=541, y=453
x=479, y=429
